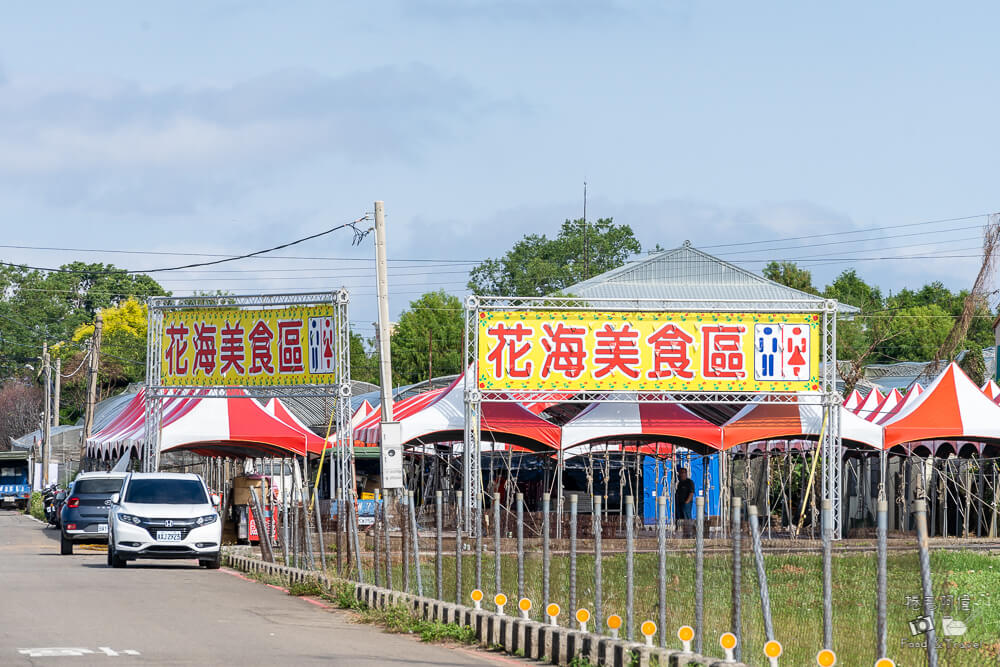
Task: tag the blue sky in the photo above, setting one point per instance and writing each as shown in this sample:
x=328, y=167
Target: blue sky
x=225, y=127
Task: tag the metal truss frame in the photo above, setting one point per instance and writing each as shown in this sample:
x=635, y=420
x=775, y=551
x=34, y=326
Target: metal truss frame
x=830, y=439
x=339, y=391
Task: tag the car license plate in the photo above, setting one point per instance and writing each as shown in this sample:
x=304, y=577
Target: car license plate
x=9, y=499
x=168, y=535
x=102, y=528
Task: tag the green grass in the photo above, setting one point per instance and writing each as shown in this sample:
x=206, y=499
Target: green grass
x=795, y=585
x=36, y=506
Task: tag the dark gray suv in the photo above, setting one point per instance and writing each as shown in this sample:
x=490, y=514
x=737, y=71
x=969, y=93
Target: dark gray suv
x=84, y=515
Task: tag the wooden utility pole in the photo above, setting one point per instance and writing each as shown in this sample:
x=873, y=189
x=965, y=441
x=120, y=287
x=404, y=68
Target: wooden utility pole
x=46, y=415
x=55, y=393
x=92, y=368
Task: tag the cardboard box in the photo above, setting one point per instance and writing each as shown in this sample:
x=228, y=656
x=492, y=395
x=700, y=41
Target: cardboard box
x=241, y=489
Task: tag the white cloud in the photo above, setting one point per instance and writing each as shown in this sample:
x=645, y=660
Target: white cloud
x=119, y=146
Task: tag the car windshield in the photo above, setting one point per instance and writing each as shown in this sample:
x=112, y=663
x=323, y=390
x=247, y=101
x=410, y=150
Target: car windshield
x=108, y=486
x=166, y=492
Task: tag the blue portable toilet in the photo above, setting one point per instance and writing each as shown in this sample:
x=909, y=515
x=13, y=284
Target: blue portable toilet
x=657, y=477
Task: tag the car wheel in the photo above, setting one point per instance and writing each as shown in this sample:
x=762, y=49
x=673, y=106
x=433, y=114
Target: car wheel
x=65, y=545
x=212, y=563
x=114, y=560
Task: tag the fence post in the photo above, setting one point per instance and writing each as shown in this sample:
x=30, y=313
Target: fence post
x=458, y=549
x=546, y=556
x=439, y=562
x=496, y=544
x=629, y=569
x=699, y=573
x=882, y=580
x=598, y=567
x=416, y=543
x=827, y=528
x=520, y=545
x=479, y=539
x=737, y=599
x=376, y=549
x=388, y=541
x=758, y=553
x=661, y=529
x=920, y=515
x=572, y=552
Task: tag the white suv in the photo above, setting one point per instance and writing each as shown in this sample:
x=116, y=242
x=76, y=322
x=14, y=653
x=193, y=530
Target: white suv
x=164, y=515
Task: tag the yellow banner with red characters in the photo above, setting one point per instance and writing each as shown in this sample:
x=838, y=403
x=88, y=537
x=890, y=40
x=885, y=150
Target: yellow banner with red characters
x=232, y=346
x=644, y=351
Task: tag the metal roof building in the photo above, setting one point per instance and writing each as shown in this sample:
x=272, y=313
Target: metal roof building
x=690, y=274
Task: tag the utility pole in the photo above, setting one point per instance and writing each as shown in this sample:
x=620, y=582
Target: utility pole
x=55, y=393
x=390, y=449
x=586, y=236
x=430, y=358
x=92, y=368
x=46, y=415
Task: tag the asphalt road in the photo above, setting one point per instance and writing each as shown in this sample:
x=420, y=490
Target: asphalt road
x=74, y=611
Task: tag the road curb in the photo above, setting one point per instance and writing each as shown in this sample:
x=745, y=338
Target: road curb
x=514, y=636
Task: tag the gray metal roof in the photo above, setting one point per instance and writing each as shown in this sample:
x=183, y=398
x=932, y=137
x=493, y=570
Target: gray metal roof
x=690, y=274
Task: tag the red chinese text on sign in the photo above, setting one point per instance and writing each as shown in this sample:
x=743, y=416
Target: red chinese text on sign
x=176, y=363
x=509, y=350
x=290, y=346
x=260, y=349
x=670, y=353
x=231, y=351
x=564, y=350
x=616, y=350
x=722, y=352
x=204, y=348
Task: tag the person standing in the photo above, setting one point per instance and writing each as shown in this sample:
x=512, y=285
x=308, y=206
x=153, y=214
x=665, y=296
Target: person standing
x=683, y=495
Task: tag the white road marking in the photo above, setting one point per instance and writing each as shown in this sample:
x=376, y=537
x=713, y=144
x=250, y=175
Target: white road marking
x=71, y=652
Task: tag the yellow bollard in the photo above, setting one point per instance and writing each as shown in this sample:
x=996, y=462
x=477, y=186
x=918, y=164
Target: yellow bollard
x=728, y=643
x=773, y=651
x=582, y=616
x=524, y=604
x=885, y=662
x=552, y=611
x=500, y=600
x=477, y=598
x=686, y=634
x=614, y=624
x=648, y=629
x=826, y=658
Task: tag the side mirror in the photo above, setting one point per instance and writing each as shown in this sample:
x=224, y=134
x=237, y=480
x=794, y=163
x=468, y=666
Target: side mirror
x=115, y=497
x=216, y=500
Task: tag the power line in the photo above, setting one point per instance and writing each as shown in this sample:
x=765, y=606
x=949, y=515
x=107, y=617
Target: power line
x=843, y=233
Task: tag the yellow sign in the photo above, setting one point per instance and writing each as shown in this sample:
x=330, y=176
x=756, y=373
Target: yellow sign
x=648, y=351
x=230, y=346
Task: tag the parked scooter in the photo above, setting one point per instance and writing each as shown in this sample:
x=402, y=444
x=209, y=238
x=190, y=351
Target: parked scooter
x=52, y=500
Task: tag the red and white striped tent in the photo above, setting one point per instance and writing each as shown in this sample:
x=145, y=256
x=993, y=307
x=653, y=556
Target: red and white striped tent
x=369, y=431
x=442, y=419
x=649, y=422
x=992, y=390
x=853, y=400
x=951, y=408
x=870, y=404
x=888, y=404
x=215, y=423
x=128, y=429
x=280, y=411
x=908, y=400
x=802, y=418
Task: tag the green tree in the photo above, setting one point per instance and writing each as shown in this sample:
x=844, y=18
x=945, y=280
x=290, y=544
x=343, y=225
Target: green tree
x=428, y=334
x=850, y=289
x=364, y=361
x=38, y=306
x=538, y=265
x=917, y=333
x=974, y=366
x=790, y=275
